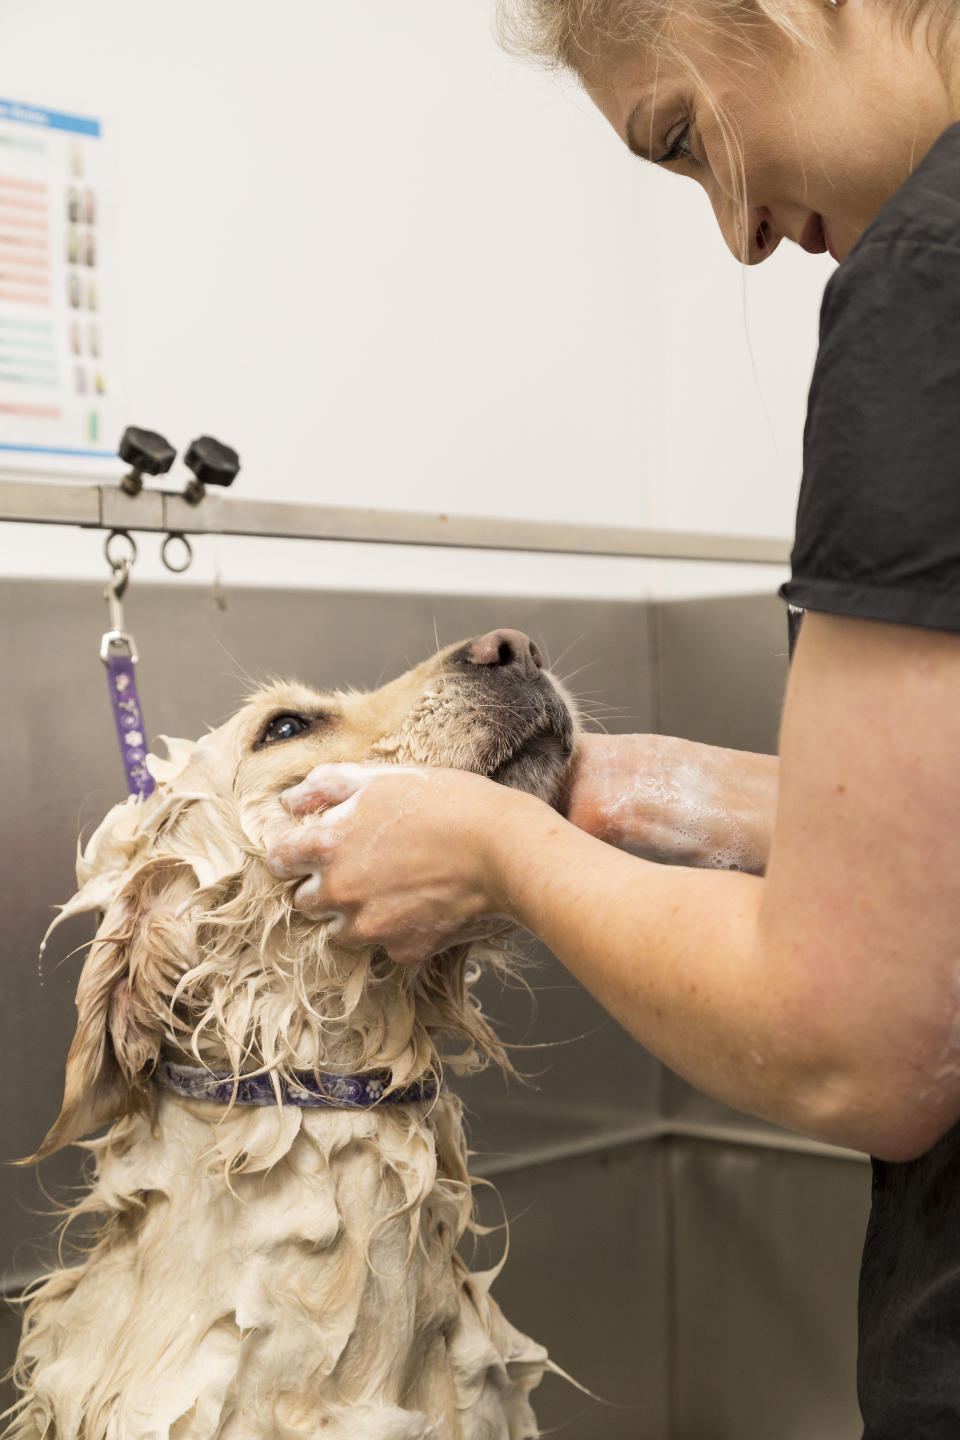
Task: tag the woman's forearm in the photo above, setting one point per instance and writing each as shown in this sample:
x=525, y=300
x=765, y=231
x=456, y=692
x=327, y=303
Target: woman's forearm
x=676, y=801
x=675, y=954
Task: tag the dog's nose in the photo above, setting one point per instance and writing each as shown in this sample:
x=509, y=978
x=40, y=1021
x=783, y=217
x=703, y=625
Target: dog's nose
x=505, y=648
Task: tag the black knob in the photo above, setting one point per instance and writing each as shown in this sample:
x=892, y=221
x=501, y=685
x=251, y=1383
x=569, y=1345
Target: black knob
x=148, y=452
x=211, y=462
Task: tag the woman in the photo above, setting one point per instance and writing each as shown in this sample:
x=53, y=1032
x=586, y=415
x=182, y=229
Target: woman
x=820, y=990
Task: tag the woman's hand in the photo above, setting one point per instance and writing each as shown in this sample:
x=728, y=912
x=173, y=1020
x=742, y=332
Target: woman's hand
x=412, y=859
x=675, y=801
x=397, y=857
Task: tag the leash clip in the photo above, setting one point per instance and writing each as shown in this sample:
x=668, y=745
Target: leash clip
x=118, y=637
x=116, y=642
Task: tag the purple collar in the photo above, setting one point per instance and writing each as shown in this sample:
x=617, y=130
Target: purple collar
x=304, y=1087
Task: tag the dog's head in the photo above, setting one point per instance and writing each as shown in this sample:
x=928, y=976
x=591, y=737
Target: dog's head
x=199, y=950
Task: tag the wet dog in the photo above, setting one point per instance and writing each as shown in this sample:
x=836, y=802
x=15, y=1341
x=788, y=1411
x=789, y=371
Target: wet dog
x=280, y=1193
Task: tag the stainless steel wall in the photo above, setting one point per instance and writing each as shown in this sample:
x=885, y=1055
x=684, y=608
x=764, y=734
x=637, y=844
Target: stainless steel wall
x=660, y=1245
x=765, y=1246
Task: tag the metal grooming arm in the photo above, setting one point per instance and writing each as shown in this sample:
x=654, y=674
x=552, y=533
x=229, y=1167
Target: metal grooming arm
x=106, y=506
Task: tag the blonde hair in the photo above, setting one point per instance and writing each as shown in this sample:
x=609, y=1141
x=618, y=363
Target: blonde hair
x=564, y=34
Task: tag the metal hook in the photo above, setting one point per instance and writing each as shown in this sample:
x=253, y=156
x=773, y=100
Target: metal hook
x=120, y=566
x=113, y=594
x=118, y=582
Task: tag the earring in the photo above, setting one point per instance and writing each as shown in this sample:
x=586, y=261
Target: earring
x=831, y=4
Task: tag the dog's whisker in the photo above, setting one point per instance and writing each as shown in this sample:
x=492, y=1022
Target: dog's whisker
x=555, y=664
x=241, y=672
x=588, y=665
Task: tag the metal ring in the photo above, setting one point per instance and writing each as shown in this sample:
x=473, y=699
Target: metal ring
x=187, y=555
x=118, y=563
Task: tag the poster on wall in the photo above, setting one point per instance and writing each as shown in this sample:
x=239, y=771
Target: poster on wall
x=59, y=375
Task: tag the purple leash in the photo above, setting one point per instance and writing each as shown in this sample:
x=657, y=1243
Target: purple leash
x=118, y=651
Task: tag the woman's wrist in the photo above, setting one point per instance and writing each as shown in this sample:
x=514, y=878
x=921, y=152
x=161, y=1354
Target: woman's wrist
x=510, y=834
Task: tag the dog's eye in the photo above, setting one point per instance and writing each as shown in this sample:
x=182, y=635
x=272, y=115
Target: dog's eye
x=284, y=727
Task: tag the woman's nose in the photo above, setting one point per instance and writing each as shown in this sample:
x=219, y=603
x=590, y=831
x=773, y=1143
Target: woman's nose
x=762, y=238
x=749, y=234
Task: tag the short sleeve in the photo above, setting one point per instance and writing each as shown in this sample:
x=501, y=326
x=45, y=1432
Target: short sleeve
x=878, y=521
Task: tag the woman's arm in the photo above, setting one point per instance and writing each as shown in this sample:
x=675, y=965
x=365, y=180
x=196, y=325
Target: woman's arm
x=675, y=801
x=824, y=996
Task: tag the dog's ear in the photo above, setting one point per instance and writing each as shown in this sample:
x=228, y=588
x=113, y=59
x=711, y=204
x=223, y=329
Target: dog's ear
x=94, y=1088
x=140, y=870
x=122, y=998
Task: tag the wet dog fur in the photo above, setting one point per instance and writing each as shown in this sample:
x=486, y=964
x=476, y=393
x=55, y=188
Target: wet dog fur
x=277, y=1273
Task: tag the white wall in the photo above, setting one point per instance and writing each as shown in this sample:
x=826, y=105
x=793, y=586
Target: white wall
x=394, y=267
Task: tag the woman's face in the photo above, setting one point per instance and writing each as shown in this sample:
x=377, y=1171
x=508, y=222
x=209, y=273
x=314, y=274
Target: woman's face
x=826, y=137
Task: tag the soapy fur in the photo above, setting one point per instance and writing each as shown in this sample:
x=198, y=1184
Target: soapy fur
x=265, y=1274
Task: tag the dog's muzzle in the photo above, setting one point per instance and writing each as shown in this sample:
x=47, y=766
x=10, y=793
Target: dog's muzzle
x=523, y=734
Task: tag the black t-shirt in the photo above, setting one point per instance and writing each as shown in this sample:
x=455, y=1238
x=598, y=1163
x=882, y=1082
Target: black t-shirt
x=878, y=537
x=878, y=522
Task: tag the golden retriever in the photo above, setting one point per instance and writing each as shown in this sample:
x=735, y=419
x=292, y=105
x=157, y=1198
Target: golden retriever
x=272, y=1270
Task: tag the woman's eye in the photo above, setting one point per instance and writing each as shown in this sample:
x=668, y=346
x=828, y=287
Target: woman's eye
x=284, y=727
x=679, y=146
